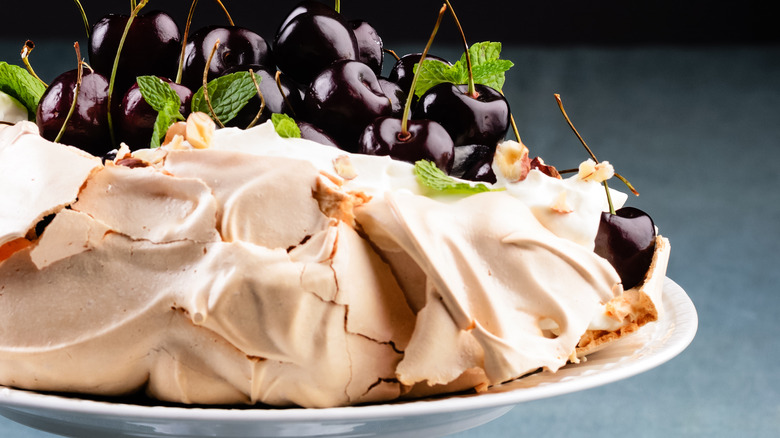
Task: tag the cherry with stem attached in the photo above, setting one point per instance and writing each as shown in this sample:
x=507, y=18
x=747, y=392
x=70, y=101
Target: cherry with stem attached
x=186, y=34
x=471, y=113
x=411, y=140
x=77, y=88
x=112, y=79
x=626, y=236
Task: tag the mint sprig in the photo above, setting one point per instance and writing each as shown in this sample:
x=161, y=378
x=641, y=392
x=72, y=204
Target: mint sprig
x=228, y=95
x=486, y=63
x=285, y=126
x=435, y=179
x=22, y=86
x=161, y=97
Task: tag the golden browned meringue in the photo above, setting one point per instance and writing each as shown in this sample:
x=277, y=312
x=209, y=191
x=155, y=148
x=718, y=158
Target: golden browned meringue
x=250, y=272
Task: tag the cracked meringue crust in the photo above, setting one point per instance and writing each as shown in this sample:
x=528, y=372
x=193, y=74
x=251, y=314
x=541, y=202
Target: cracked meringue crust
x=246, y=274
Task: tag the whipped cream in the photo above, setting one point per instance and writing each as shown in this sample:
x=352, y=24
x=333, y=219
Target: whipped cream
x=11, y=110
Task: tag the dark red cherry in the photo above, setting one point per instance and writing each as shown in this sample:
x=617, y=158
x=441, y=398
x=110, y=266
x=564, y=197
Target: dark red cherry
x=87, y=127
x=152, y=47
x=305, y=7
x=370, y=48
x=481, y=171
x=480, y=119
x=469, y=158
x=238, y=46
x=289, y=103
x=311, y=38
x=343, y=99
x=424, y=140
x=135, y=119
x=396, y=95
x=315, y=134
x=627, y=240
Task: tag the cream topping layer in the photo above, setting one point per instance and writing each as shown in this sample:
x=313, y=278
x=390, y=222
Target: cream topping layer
x=219, y=276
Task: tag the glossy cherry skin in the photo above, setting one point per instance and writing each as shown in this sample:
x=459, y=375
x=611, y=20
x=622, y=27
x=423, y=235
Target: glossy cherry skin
x=396, y=95
x=315, y=134
x=311, y=38
x=627, y=240
x=483, y=119
x=289, y=103
x=88, y=126
x=135, y=119
x=473, y=162
x=152, y=47
x=343, y=99
x=238, y=46
x=481, y=171
x=370, y=47
x=425, y=140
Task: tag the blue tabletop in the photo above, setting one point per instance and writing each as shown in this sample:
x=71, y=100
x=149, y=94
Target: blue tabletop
x=697, y=131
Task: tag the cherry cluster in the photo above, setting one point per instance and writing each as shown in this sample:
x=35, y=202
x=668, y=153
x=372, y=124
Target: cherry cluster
x=321, y=69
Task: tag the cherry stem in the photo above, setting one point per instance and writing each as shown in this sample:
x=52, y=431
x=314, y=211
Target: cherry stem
x=83, y=16
x=587, y=148
x=262, y=99
x=609, y=198
x=227, y=14
x=512, y=122
x=408, y=106
x=111, y=82
x=186, y=33
x=392, y=52
x=277, y=79
x=206, y=85
x=76, y=89
x=571, y=125
x=617, y=175
x=26, y=50
x=472, y=89
x=337, y=6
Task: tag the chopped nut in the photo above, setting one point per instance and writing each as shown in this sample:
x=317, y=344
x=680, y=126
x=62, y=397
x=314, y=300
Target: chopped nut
x=512, y=160
x=150, y=156
x=538, y=164
x=597, y=172
x=344, y=168
x=176, y=143
x=177, y=129
x=337, y=204
x=200, y=130
x=561, y=204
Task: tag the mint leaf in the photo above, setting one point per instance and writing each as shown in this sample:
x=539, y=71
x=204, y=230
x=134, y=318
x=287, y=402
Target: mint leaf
x=435, y=72
x=157, y=93
x=486, y=65
x=161, y=97
x=165, y=118
x=285, y=126
x=228, y=94
x=18, y=83
x=483, y=52
x=435, y=179
x=491, y=73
